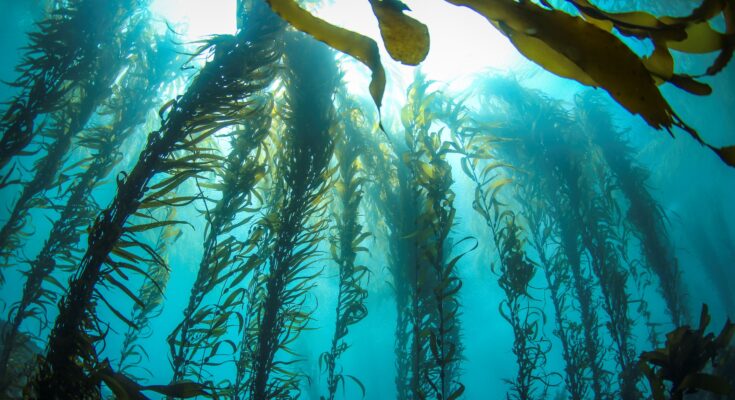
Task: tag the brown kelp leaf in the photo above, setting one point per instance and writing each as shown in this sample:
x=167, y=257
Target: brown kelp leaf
x=406, y=39
x=361, y=47
x=570, y=47
x=573, y=48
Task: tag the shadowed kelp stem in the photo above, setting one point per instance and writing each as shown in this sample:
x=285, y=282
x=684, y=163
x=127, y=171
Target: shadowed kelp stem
x=209, y=104
x=63, y=54
x=296, y=219
x=346, y=243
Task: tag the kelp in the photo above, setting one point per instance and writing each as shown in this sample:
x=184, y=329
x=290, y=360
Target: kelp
x=582, y=48
x=67, y=124
x=482, y=161
x=218, y=97
x=346, y=243
x=392, y=196
x=644, y=213
x=515, y=268
x=151, y=295
x=680, y=366
x=126, y=110
x=62, y=55
x=435, y=308
x=295, y=220
x=198, y=340
x=544, y=146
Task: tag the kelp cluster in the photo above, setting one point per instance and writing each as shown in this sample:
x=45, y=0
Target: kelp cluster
x=290, y=176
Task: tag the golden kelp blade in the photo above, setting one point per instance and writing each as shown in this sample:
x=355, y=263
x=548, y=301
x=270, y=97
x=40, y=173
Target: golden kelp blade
x=406, y=39
x=358, y=46
x=573, y=48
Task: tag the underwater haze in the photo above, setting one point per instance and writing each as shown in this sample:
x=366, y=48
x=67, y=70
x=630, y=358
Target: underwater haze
x=367, y=199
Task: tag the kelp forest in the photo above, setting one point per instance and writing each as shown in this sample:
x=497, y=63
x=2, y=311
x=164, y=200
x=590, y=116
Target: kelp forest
x=287, y=205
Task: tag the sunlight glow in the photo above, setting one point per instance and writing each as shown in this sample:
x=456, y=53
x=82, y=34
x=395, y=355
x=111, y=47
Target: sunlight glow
x=198, y=19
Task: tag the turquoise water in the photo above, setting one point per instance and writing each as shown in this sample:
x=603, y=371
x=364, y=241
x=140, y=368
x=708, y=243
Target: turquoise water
x=292, y=170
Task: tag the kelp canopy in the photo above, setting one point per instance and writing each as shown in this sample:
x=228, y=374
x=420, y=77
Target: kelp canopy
x=237, y=216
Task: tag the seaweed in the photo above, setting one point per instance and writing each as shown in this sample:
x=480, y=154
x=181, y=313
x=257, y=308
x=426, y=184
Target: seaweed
x=347, y=242
x=68, y=123
x=127, y=111
x=200, y=334
x=295, y=221
x=151, y=296
x=644, y=213
x=516, y=269
x=683, y=360
x=580, y=47
x=62, y=55
x=218, y=97
x=436, y=283
x=547, y=142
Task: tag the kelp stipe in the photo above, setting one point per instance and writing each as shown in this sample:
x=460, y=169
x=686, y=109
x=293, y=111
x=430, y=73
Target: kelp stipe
x=644, y=213
x=126, y=110
x=347, y=239
x=543, y=128
x=515, y=268
x=151, y=296
x=216, y=99
x=63, y=55
x=681, y=366
x=67, y=123
x=436, y=284
x=392, y=196
x=198, y=338
x=296, y=219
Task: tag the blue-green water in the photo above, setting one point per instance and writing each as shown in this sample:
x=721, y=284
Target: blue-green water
x=299, y=181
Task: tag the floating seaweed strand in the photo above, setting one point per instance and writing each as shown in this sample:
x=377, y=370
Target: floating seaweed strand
x=128, y=111
x=516, y=269
x=346, y=242
x=63, y=55
x=540, y=227
x=395, y=196
x=217, y=98
x=296, y=219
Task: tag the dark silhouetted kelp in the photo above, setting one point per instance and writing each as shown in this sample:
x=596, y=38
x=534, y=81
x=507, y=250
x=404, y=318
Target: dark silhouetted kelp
x=127, y=111
x=296, y=219
x=347, y=240
x=63, y=54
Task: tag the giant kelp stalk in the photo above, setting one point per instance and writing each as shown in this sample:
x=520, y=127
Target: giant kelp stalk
x=644, y=213
x=435, y=311
x=196, y=341
x=67, y=123
x=63, y=55
x=151, y=295
x=218, y=97
x=515, y=268
x=127, y=108
x=296, y=219
x=539, y=131
x=600, y=238
x=346, y=242
x=393, y=195
x=481, y=163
